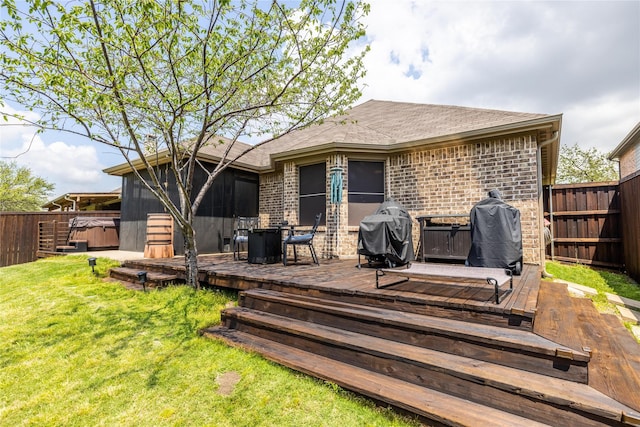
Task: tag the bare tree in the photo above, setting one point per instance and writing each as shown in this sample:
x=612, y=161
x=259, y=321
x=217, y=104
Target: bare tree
x=115, y=71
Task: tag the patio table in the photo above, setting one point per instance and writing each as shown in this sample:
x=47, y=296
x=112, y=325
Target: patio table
x=265, y=245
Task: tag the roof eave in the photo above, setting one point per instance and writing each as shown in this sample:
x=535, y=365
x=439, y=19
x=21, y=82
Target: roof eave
x=164, y=158
x=631, y=138
x=161, y=158
x=237, y=164
x=113, y=195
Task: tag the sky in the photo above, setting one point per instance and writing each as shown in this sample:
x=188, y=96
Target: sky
x=576, y=58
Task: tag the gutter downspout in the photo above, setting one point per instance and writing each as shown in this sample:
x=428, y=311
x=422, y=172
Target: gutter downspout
x=553, y=139
x=551, y=220
x=70, y=200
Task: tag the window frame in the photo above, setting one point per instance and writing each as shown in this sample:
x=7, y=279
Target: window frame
x=376, y=195
x=311, y=190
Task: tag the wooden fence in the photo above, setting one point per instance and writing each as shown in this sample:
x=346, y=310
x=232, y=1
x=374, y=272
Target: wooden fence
x=586, y=224
x=19, y=232
x=630, y=202
x=52, y=235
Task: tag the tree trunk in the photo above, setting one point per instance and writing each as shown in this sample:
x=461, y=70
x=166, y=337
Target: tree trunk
x=191, y=258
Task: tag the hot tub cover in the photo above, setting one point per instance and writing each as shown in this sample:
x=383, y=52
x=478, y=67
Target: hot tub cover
x=496, y=234
x=92, y=221
x=387, y=233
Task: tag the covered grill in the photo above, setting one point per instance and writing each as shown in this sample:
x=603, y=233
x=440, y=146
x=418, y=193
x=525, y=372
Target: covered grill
x=385, y=236
x=496, y=235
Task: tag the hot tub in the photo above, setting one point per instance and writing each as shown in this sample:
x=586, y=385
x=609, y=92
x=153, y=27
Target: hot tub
x=99, y=232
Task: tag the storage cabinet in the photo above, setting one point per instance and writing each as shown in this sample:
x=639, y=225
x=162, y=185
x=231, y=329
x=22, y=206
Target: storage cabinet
x=444, y=237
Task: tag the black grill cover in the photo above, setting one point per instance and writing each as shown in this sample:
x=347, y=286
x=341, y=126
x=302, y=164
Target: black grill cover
x=496, y=235
x=387, y=234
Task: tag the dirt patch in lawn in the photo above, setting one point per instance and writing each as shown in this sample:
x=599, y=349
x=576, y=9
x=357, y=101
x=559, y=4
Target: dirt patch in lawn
x=227, y=382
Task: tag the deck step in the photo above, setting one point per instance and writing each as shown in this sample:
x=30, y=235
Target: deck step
x=154, y=279
x=429, y=404
x=576, y=322
x=607, y=337
x=80, y=245
x=509, y=347
x=535, y=396
x=73, y=246
x=341, y=281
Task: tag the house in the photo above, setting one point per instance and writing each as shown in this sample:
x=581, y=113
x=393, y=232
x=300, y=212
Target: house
x=434, y=159
x=109, y=201
x=628, y=154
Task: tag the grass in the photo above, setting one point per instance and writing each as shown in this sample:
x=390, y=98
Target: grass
x=601, y=280
x=79, y=351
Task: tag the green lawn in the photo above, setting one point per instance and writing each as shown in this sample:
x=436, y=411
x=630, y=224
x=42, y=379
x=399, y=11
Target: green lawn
x=601, y=280
x=79, y=351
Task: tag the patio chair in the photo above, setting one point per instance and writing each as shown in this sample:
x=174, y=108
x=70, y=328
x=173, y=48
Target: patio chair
x=242, y=226
x=301, y=237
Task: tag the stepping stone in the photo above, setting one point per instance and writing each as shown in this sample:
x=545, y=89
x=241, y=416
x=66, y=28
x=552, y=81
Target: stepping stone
x=626, y=302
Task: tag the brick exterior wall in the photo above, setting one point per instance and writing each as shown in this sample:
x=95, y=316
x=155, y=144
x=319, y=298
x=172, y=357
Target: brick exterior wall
x=271, y=197
x=338, y=241
x=442, y=180
x=290, y=192
x=450, y=180
x=630, y=161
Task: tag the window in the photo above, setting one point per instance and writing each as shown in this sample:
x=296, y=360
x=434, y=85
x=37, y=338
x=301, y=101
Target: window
x=313, y=193
x=366, y=189
x=245, y=197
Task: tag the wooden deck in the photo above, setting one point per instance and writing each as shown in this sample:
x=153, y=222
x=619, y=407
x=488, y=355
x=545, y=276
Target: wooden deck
x=445, y=352
x=341, y=279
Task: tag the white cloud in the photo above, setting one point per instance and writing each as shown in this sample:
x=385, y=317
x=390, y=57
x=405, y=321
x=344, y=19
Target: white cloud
x=72, y=168
x=577, y=58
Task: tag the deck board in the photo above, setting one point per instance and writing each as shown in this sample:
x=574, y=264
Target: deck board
x=554, y=320
x=525, y=298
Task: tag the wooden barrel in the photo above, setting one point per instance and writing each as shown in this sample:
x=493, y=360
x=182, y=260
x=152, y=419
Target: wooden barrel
x=159, y=236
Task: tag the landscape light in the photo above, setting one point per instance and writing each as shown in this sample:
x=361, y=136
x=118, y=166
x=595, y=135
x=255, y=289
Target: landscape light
x=92, y=264
x=142, y=277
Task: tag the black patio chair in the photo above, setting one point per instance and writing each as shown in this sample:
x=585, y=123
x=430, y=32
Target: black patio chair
x=301, y=237
x=242, y=226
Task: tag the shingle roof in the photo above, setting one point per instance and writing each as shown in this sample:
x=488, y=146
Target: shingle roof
x=215, y=150
x=385, y=124
x=373, y=125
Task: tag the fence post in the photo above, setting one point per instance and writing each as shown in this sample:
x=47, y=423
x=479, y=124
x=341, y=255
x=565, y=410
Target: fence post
x=54, y=241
